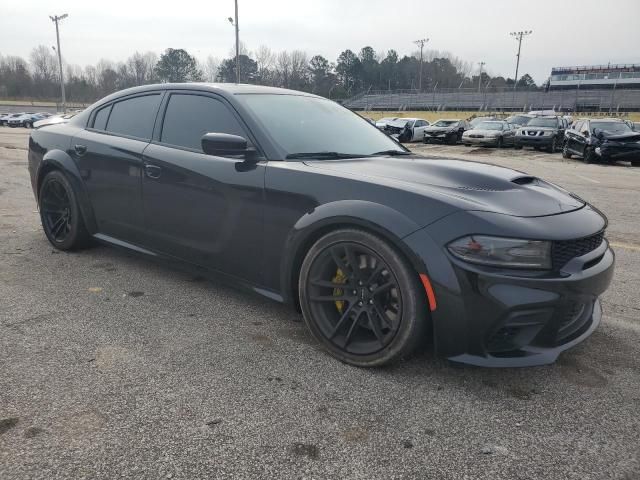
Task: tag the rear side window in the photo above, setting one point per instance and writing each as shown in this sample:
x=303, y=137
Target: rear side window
x=189, y=117
x=134, y=116
x=100, y=121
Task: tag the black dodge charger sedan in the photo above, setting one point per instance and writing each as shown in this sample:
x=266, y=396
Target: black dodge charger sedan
x=305, y=202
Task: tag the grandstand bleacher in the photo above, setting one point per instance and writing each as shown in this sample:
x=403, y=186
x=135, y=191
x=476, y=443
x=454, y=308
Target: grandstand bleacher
x=577, y=100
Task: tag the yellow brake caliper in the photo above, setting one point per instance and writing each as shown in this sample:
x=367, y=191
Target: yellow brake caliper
x=337, y=292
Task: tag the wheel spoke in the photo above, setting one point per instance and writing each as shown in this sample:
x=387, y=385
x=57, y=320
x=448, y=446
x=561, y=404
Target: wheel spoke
x=345, y=315
x=338, y=260
x=329, y=298
x=381, y=315
x=353, y=326
x=57, y=228
x=327, y=284
x=353, y=261
x=383, y=288
x=375, y=326
x=378, y=270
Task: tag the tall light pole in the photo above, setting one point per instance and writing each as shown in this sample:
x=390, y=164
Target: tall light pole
x=421, y=43
x=518, y=36
x=482, y=64
x=56, y=19
x=235, y=24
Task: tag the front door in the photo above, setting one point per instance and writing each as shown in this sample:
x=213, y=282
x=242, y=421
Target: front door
x=204, y=209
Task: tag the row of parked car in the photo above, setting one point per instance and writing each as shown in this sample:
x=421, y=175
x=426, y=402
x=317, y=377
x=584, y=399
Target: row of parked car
x=22, y=119
x=591, y=139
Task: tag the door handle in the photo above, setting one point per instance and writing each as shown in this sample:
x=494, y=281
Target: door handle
x=80, y=149
x=152, y=171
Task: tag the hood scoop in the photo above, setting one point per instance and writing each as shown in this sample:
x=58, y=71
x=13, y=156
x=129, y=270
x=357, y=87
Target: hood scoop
x=525, y=180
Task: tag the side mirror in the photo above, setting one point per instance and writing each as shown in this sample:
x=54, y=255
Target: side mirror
x=222, y=144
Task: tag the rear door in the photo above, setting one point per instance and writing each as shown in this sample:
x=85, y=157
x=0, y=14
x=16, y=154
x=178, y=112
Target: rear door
x=109, y=156
x=204, y=209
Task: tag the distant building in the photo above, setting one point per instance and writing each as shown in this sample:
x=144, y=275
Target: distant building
x=595, y=76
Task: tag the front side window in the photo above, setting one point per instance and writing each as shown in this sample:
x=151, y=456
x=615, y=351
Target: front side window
x=189, y=117
x=134, y=116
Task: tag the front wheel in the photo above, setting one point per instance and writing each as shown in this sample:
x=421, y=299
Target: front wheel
x=588, y=155
x=361, y=299
x=565, y=150
x=60, y=215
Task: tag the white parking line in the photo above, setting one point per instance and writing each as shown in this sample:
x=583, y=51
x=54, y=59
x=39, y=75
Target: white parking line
x=587, y=179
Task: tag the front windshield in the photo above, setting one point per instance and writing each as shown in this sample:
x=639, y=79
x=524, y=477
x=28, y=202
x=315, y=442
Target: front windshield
x=543, y=122
x=611, y=127
x=519, y=119
x=444, y=123
x=302, y=124
x=489, y=126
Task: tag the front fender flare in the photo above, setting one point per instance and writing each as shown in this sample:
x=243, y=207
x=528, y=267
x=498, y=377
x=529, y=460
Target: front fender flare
x=377, y=218
x=60, y=160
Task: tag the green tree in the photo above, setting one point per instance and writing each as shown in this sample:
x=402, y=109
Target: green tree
x=176, y=66
x=248, y=70
x=526, y=81
x=348, y=69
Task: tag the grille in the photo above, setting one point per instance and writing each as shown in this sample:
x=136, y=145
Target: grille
x=565, y=250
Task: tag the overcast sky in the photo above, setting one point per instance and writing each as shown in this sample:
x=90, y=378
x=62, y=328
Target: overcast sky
x=565, y=32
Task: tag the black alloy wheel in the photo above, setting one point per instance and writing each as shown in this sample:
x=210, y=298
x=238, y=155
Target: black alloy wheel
x=565, y=150
x=361, y=299
x=61, y=219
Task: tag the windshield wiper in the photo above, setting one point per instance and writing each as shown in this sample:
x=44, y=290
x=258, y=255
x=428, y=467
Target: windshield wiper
x=391, y=152
x=321, y=155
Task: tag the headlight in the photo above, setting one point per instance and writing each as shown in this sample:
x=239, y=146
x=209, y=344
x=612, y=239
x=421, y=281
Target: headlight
x=502, y=252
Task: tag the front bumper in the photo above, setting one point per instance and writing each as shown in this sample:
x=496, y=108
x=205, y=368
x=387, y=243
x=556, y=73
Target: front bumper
x=438, y=137
x=505, y=318
x=609, y=151
x=533, y=141
x=480, y=141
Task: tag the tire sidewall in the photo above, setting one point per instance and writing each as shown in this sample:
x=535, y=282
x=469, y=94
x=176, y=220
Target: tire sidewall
x=71, y=240
x=414, y=308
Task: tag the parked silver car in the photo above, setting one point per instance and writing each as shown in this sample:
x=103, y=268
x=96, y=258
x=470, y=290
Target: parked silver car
x=495, y=133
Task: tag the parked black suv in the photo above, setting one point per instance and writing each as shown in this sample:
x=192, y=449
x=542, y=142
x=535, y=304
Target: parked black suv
x=605, y=140
x=542, y=132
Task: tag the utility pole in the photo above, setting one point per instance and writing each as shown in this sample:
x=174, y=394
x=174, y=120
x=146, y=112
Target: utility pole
x=421, y=43
x=56, y=19
x=518, y=36
x=235, y=24
x=482, y=64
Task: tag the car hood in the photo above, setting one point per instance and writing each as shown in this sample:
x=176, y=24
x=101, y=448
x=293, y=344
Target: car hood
x=440, y=129
x=465, y=184
x=621, y=138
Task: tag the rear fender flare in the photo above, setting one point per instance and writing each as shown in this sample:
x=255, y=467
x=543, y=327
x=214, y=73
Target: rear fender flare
x=61, y=161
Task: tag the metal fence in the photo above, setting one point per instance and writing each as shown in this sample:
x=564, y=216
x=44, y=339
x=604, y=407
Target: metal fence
x=578, y=100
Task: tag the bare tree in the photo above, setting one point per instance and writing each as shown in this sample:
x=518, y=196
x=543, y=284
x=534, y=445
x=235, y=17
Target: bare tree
x=265, y=58
x=283, y=68
x=43, y=64
x=210, y=68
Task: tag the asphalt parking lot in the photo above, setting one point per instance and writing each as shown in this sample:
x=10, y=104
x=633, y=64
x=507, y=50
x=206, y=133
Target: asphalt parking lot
x=114, y=366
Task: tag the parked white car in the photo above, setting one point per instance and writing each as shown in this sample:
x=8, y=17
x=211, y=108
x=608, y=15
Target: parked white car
x=4, y=119
x=25, y=120
x=407, y=129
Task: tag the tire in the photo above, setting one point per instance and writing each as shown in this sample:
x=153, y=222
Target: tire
x=60, y=214
x=28, y=125
x=565, y=150
x=635, y=163
x=379, y=316
x=517, y=147
x=500, y=143
x=587, y=155
x=553, y=148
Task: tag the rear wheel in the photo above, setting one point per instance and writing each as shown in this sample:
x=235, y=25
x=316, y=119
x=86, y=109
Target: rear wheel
x=500, y=143
x=60, y=215
x=361, y=299
x=553, y=148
